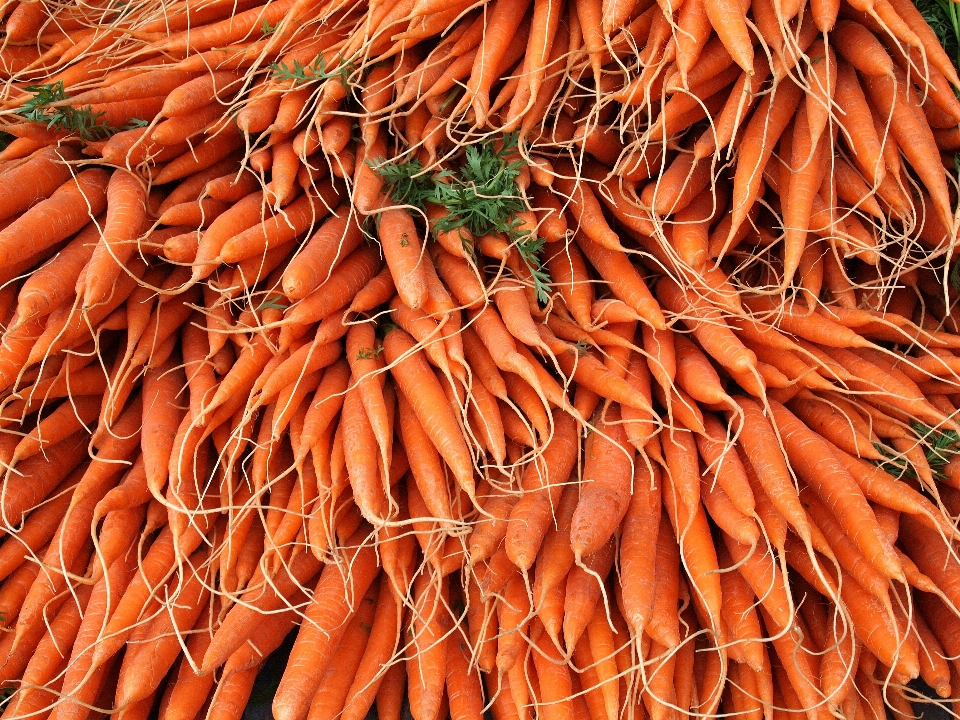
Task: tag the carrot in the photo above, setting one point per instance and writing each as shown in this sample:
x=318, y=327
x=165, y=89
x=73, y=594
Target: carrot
x=638, y=545
x=390, y=695
x=338, y=237
x=139, y=675
x=33, y=480
x=584, y=592
x=360, y=452
x=837, y=428
x=244, y=214
x=50, y=655
x=350, y=276
x=605, y=497
x=58, y=425
x=102, y=598
x=371, y=671
x=51, y=284
x=797, y=199
x=34, y=180
x=933, y=559
x=419, y=384
x=708, y=327
x=73, y=204
x=763, y=451
x=335, y=683
x=840, y=492
x=324, y=624
x=464, y=688
x=424, y=461
x=489, y=530
x=934, y=51
x=847, y=554
x=760, y=137
x=39, y=527
x=208, y=152
x=427, y=649
x=912, y=134
x=493, y=55
x=283, y=227
x=155, y=566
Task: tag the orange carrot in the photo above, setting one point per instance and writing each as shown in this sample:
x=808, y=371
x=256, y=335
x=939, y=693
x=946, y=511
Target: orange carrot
x=418, y=382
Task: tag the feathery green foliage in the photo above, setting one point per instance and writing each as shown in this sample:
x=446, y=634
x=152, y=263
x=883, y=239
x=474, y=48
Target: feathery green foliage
x=82, y=122
x=481, y=196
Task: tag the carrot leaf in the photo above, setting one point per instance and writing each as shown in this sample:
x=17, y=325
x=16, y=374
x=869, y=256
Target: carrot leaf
x=369, y=353
x=943, y=17
x=47, y=107
x=300, y=74
x=939, y=445
x=894, y=465
x=407, y=182
x=481, y=195
x=273, y=304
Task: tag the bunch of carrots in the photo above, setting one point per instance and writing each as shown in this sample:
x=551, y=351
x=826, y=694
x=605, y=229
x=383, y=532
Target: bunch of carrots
x=584, y=360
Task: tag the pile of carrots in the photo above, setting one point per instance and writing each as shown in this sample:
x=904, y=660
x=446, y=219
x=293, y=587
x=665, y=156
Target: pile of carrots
x=584, y=360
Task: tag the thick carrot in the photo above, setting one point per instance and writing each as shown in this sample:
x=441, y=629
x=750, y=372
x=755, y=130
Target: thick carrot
x=607, y=474
x=244, y=214
x=759, y=139
x=707, y=325
x=338, y=237
x=762, y=447
x=584, y=592
x=424, y=461
x=36, y=179
x=66, y=211
x=349, y=277
x=542, y=483
x=145, y=665
x=402, y=249
x=283, y=227
x=912, y=133
x=34, y=479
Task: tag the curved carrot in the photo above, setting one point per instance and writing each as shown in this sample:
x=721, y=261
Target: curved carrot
x=839, y=492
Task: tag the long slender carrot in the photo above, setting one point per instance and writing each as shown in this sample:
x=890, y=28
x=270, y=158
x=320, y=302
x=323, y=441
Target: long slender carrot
x=384, y=636
x=418, y=382
x=542, y=482
x=334, y=601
